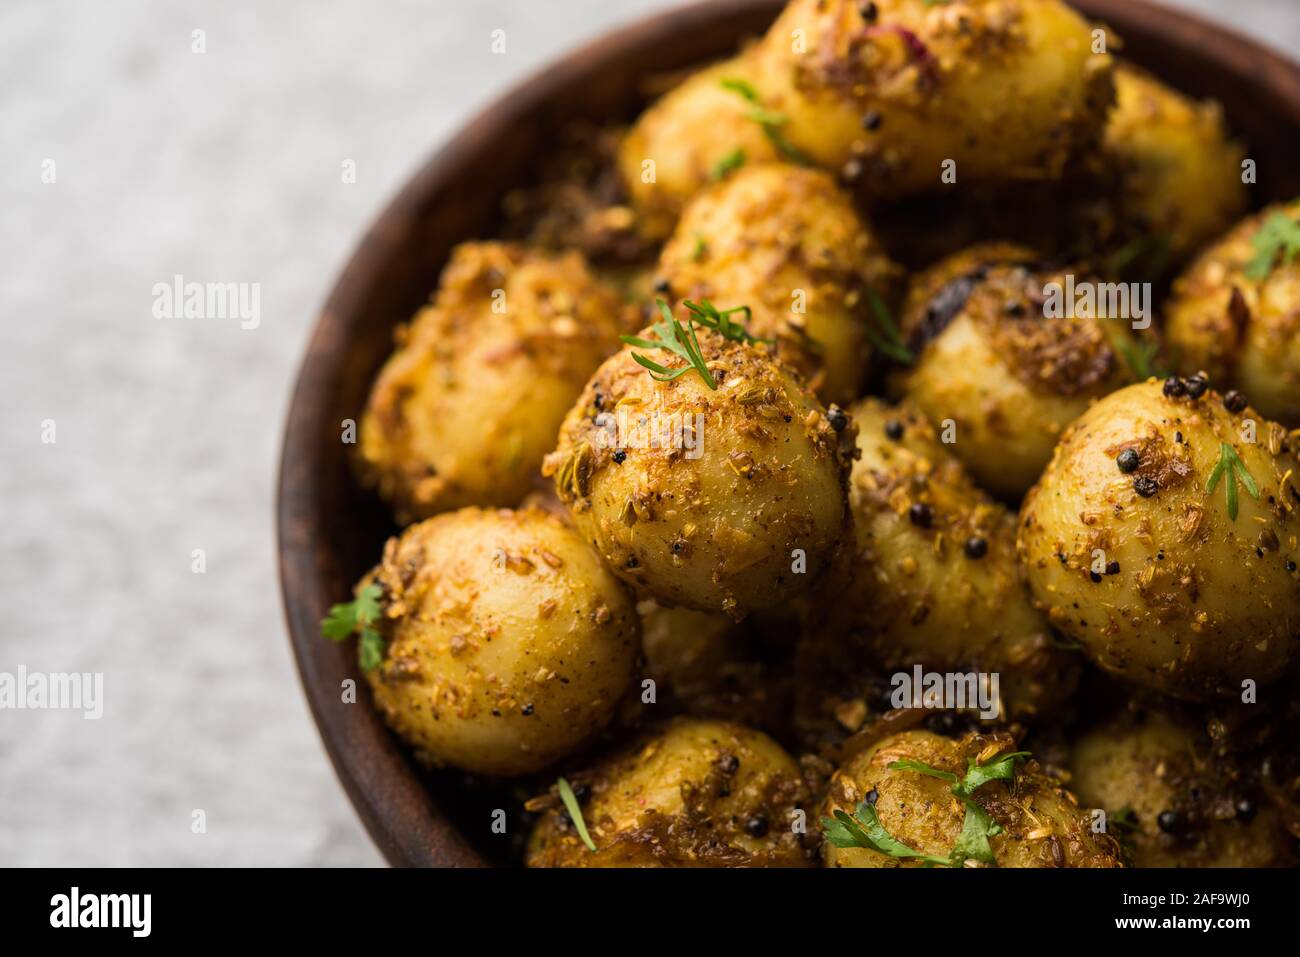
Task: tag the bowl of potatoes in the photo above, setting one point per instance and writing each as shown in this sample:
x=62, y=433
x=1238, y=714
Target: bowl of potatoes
x=822, y=434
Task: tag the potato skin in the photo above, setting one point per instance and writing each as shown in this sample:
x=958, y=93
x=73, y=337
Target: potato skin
x=467, y=406
x=767, y=231
x=1244, y=332
x=1008, y=89
x=1155, y=762
x=712, y=529
x=508, y=643
x=693, y=794
x=1197, y=602
x=915, y=594
x=687, y=132
x=1041, y=821
x=988, y=359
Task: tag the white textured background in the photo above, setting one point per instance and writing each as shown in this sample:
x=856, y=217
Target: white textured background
x=223, y=167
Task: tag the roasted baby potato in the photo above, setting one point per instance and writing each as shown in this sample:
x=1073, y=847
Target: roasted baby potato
x=996, y=364
x=1235, y=314
x=1170, y=801
x=1040, y=822
x=891, y=92
x=689, y=138
x=934, y=578
x=693, y=794
x=465, y=409
x=1174, y=172
x=508, y=644
x=787, y=243
x=726, y=496
x=1163, y=537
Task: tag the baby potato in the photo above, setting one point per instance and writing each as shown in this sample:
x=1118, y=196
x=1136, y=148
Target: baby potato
x=465, y=409
x=1236, y=314
x=1041, y=823
x=893, y=93
x=508, y=644
x=1176, y=172
x=1163, y=537
x=786, y=242
x=1170, y=801
x=693, y=794
x=692, y=135
x=934, y=578
x=722, y=496
x=991, y=359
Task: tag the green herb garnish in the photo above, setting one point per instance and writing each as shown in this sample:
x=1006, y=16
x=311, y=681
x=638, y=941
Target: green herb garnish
x=719, y=320
x=864, y=829
x=1278, y=237
x=575, y=813
x=1141, y=358
x=675, y=338
x=1143, y=258
x=354, y=617
x=887, y=338
x=1232, y=465
x=769, y=120
x=701, y=247
x=1124, y=820
x=732, y=161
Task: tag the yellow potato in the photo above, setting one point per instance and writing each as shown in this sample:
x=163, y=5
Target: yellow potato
x=508, y=644
x=1004, y=89
x=934, y=578
x=1041, y=824
x=788, y=243
x=999, y=372
x=728, y=499
x=1243, y=329
x=694, y=794
x=1172, y=803
x=467, y=406
x=1150, y=571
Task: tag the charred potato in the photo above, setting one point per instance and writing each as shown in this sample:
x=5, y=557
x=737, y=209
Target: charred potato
x=934, y=578
x=508, y=644
x=1040, y=822
x=725, y=496
x=1165, y=541
x=1170, y=801
x=467, y=406
x=1235, y=313
x=891, y=92
x=695, y=794
x=787, y=243
x=997, y=364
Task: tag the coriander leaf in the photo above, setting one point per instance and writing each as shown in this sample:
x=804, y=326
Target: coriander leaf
x=1278, y=237
x=346, y=618
x=575, y=812
x=973, y=841
x=907, y=764
x=743, y=87
x=371, y=649
x=732, y=161
x=680, y=341
x=864, y=830
x=719, y=320
x=1001, y=768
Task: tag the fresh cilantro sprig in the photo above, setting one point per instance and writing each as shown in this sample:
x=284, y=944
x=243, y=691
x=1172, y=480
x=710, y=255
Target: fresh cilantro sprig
x=731, y=161
x=719, y=320
x=887, y=338
x=358, y=617
x=1230, y=464
x=675, y=338
x=769, y=120
x=575, y=812
x=1279, y=237
x=864, y=829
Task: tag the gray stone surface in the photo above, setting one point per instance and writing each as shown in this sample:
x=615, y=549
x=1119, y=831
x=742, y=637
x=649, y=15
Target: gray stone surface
x=222, y=166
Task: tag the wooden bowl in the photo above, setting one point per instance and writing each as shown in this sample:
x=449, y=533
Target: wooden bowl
x=330, y=532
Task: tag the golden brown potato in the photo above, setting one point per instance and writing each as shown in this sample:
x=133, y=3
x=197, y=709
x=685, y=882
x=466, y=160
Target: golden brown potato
x=689, y=138
x=891, y=91
x=1169, y=801
x=1175, y=172
x=996, y=363
x=1241, y=322
x=508, y=644
x=934, y=578
x=788, y=243
x=695, y=794
x=1040, y=822
x=1166, y=542
x=465, y=409
x=727, y=499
